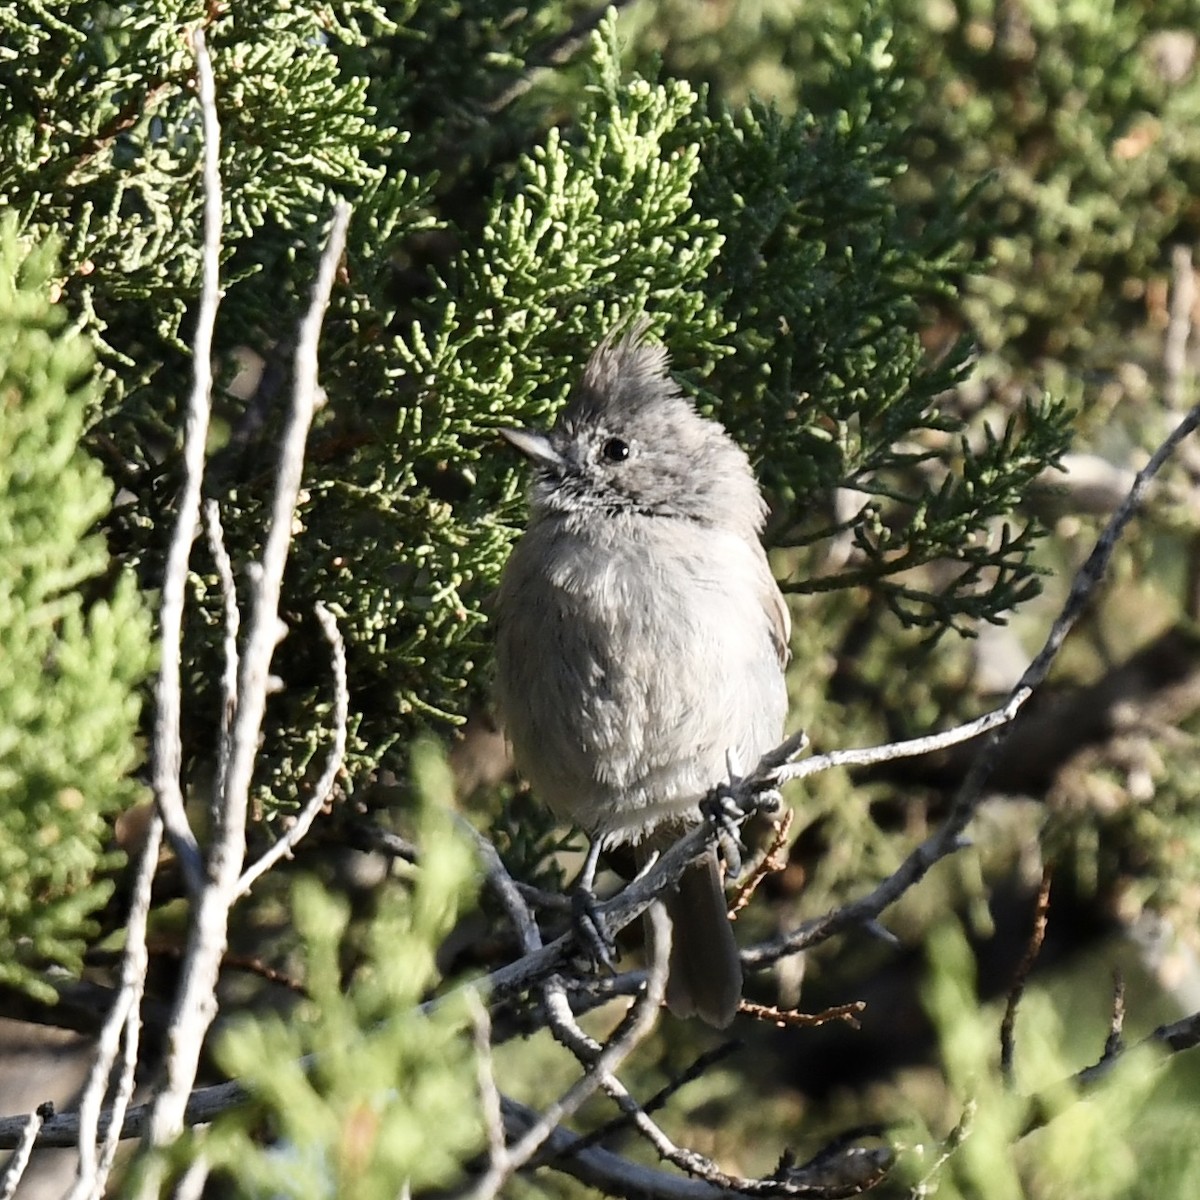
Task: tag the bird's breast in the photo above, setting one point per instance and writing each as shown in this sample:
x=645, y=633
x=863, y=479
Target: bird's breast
x=628, y=666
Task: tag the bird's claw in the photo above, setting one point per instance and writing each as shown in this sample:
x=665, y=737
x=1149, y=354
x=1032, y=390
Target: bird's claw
x=591, y=933
x=769, y=802
x=727, y=814
x=731, y=803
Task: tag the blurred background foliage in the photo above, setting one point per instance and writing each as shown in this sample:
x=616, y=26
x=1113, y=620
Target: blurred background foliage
x=907, y=250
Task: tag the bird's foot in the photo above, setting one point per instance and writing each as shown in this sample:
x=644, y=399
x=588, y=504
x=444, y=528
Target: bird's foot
x=591, y=932
x=724, y=809
x=730, y=804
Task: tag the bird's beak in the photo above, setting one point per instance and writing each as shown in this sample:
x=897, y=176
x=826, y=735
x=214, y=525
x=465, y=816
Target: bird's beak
x=535, y=446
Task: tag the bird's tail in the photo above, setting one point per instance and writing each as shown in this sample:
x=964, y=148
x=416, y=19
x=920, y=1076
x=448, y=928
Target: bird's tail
x=705, y=972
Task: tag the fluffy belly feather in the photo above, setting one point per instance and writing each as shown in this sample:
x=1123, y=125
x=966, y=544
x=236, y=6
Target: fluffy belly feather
x=621, y=714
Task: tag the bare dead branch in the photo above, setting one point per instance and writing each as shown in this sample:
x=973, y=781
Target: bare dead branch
x=605, y=1171
x=557, y=1007
x=264, y=627
x=1037, y=936
x=333, y=764
x=788, y=1182
x=541, y=898
x=561, y=1020
x=785, y=1017
x=233, y=617
x=15, y=1167
x=617, y=912
x=1174, y=1038
x=1116, y=1022
x=1179, y=327
x=1183, y=1034
x=62, y=1129
x=489, y=1095
x=912, y=748
x=568, y=1033
x=954, y=1140
x=697, y=1068
x=507, y=892
x=191, y=1184
x=623, y=908
x=167, y=752
x=122, y=1028
x=367, y=835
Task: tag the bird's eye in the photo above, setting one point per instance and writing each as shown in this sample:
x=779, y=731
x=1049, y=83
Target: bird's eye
x=615, y=450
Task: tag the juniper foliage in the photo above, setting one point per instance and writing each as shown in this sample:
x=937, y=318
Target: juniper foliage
x=74, y=635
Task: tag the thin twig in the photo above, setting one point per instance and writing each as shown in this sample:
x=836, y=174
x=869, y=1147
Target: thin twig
x=1037, y=936
x=643, y=1015
x=16, y=1165
x=501, y=882
x=1179, y=327
x=489, y=1094
x=698, y=1067
x=1115, y=1042
x=774, y=860
x=233, y=617
x=870, y=755
x=333, y=764
x=790, y=1017
x=122, y=1027
x=167, y=753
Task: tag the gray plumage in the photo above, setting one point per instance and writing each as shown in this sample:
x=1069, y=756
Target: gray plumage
x=641, y=635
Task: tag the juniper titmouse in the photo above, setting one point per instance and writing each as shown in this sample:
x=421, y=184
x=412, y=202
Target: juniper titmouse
x=641, y=635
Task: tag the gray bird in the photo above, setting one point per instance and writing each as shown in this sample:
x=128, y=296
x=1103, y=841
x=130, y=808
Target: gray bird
x=641, y=635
